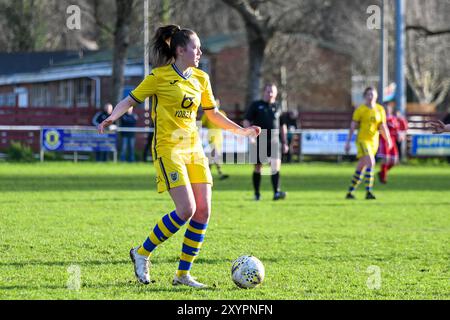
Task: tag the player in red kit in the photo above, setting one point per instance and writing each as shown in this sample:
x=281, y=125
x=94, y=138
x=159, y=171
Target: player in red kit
x=389, y=157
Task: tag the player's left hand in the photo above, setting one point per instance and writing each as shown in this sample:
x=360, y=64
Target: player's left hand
x=106, y=123
x=437, y=126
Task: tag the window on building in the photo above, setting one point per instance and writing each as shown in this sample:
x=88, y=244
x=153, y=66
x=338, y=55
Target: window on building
x=38, y=95
x=83, y=92
x=7, y=99
x=43, y=95
x=65, y=94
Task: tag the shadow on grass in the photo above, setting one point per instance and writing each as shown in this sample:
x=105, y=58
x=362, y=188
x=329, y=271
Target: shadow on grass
x=21, y=264
x=25, y=287
x=129, y=285
x=117, y=181
x=156, y=260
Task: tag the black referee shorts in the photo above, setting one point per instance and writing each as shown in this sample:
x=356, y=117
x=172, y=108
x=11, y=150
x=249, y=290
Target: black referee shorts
x=267, y=147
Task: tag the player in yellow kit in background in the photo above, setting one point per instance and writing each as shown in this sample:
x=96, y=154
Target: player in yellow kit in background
x=370, y=120
x=215, y=141
x=178, y=88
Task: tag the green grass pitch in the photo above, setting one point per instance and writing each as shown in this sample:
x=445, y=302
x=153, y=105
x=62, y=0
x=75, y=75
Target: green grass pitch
x=66, y=229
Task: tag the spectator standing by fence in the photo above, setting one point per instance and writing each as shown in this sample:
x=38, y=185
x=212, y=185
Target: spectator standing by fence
x=128, y=121
x=98, y=118
x=290, y=120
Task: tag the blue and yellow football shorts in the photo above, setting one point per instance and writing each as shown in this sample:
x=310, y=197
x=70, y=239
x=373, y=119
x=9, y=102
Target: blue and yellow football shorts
x=181, y=169
x=366, y=148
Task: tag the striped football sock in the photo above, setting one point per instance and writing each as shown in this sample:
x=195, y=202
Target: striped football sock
x=356, y=180
x=193, y=239
x=369, y=179
x=164, y=229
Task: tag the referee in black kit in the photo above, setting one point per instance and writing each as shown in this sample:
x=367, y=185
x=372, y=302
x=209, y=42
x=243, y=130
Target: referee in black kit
x=266, y=114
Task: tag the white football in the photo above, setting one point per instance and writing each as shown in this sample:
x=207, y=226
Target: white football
x=247, y=272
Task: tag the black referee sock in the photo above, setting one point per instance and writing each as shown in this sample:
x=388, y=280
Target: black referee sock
x=276, y=182
x=256, y=181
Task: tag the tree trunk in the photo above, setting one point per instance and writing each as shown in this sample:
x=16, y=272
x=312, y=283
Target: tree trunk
x=257, y=46
x=121, y=43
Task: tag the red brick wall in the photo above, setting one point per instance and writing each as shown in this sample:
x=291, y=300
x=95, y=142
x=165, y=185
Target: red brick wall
x=331, y=93
x=229, y=76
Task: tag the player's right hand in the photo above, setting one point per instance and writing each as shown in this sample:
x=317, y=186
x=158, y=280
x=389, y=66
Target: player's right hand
x=106, y=123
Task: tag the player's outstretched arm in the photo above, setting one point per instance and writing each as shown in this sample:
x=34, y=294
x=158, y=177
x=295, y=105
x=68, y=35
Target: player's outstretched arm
x=224, y=123
x=439, y=127
x=118, y=111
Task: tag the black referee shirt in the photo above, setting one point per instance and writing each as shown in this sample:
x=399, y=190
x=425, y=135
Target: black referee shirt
x=263, y=114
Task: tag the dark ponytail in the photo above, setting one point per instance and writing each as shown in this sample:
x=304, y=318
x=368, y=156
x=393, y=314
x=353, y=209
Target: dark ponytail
x=165, y=43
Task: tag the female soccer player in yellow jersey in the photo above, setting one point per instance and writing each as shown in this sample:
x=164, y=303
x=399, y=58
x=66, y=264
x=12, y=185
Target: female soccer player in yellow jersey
x=177, y=89
x=369, y=119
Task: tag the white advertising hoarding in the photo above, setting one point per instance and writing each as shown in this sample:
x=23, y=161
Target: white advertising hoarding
x=326, y=142
x=232, y=143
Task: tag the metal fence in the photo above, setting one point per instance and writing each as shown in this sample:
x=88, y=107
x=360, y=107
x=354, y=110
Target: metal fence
x=304, y=142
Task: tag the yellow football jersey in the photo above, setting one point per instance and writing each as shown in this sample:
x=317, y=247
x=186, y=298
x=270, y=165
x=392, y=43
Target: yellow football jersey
x=369, y=121
x=176, y=98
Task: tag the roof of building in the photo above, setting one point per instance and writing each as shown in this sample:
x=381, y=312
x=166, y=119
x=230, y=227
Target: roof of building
x=51, y=66
x=217, y=43
x=27, y=62
x=133, y=54
x=91, y=70
x=24, y=62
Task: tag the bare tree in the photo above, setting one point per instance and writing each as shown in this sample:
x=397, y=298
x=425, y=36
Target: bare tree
x=311, y=65
x=206, y=17
x=267, y=22
x=259, y=33
x=427, y=54
x=344, y=23
x=20, y=25
x=124, y=10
